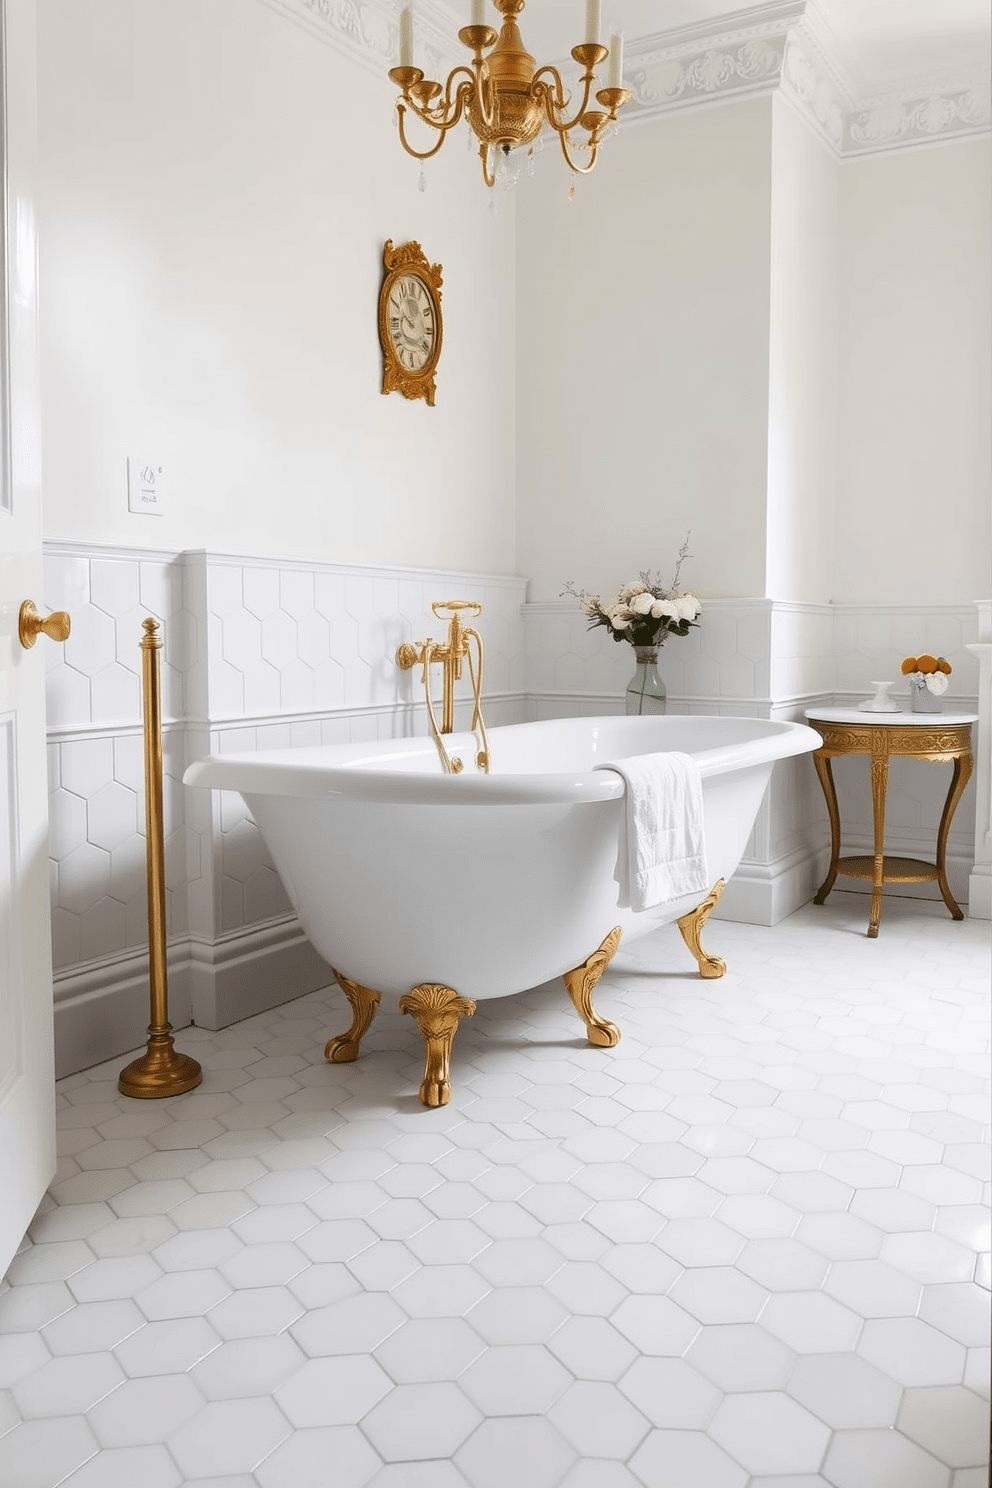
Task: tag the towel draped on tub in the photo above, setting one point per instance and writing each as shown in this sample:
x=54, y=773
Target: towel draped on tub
x=662, y=854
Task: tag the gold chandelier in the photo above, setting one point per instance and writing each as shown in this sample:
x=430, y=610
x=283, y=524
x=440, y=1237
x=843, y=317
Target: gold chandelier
x=505, y=96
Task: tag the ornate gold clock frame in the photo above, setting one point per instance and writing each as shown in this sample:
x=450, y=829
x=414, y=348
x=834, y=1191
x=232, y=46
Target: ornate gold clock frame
x=410, y=329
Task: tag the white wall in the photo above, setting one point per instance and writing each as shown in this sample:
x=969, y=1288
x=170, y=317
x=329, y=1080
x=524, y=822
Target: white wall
x=216, y=189
x=642, y=371
x=914, y=380
x=802, y=362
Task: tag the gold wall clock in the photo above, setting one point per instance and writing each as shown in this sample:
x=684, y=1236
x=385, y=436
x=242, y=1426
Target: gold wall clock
x=409, y=321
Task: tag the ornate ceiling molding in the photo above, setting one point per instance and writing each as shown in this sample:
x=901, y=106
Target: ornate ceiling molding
x=782, y=46
x=897, y=121
x=367, y=31
x=718, y=72
x=811, y=82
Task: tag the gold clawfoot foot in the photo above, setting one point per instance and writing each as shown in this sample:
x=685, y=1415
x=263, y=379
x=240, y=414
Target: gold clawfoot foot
x=581, y=983
x=437, y=1011
x=691, y=926
x=364, y=1005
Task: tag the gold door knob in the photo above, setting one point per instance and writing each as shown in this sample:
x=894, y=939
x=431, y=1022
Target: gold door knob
x=29, y=623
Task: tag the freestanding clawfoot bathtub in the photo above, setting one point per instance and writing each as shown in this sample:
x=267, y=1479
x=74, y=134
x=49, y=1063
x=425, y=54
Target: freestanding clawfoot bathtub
x=447, y=888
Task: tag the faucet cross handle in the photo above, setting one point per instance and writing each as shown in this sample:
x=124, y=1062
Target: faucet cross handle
x=454, y=605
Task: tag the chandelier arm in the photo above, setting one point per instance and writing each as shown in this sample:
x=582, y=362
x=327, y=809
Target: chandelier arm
x=483, y=92
x=580, y=170
x=445, y=115
x=552, y=109
x=489, y=179
x=540, y=88
x=471, y=84
x=487, y=97
x=420, y=154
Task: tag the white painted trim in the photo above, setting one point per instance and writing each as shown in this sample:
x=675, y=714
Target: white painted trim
x=102, y=1007
x=570, y=606
x=765, y=893
x=415, y=709
x=616, y=700
x=958, y=703
x=963, y=703
x=980, y=892
x=193, y=557
x=69, y=548
x=236, y=975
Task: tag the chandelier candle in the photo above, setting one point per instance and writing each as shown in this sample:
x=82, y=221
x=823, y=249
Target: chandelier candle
x=406, y=36
x=615, y=78
x=594, y=22
x=478, y=12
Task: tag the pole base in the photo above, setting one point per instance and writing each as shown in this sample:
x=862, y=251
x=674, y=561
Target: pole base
x=160, y=1071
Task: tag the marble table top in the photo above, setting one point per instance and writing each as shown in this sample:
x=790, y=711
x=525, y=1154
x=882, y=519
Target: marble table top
x=907, y=719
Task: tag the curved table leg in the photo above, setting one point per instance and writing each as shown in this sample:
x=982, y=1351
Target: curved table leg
x=581, y=984
x=825, y=772
x=364, y=1004
x=691, y=927
x=963, y=766
x=437, y=1011
x=879, y=785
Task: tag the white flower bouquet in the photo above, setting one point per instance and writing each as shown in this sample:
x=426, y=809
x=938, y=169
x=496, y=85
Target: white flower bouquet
x=645, y=613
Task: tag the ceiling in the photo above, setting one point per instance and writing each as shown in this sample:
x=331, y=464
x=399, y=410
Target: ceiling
x=884, y=45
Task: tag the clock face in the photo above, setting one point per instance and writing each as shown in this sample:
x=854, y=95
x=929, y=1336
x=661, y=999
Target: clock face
x=412, y=322
x=410, y=329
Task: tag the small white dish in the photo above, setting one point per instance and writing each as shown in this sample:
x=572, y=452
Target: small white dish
x=881, y=702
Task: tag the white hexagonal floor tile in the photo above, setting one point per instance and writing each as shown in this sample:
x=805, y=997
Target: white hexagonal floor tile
x=579, y=1276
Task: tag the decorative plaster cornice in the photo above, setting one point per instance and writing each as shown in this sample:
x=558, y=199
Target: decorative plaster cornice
x=813, y=86
x=672, y=81
x=367, y=31
x=894, y=122
x=780, y=46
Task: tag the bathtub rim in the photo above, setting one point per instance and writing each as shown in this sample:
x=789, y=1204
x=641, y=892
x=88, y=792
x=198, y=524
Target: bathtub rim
x=307, y=772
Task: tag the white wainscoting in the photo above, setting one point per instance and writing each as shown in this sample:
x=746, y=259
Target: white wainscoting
x=257, y=654
x=264, y=653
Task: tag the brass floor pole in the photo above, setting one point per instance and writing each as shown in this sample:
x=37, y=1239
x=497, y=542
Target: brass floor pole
x=160, y=1070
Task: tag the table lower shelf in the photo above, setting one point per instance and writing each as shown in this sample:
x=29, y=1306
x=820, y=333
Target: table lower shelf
x=894, y=870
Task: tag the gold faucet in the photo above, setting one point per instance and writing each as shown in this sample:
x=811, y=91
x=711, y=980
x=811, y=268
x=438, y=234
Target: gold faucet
x=463, y=644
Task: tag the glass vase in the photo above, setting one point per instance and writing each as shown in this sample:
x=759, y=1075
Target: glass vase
x=645, y=690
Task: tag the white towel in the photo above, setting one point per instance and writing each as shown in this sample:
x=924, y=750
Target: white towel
x=662, y=849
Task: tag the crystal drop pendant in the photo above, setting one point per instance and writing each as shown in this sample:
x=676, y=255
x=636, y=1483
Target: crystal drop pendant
x=491, y=209
x=571, y=192
x=422, y=182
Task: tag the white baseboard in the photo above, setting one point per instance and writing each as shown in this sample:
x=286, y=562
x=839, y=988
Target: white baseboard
x=980, y=892
x=765, y=893
x=102, y=1008
x=247, y=971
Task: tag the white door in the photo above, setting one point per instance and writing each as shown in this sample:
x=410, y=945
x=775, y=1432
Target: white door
x=27, y=1072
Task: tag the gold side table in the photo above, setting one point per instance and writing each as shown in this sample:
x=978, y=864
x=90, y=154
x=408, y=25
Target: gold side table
x=928, y=736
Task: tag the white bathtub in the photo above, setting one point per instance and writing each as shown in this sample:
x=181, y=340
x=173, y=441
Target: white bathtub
x=489, y=884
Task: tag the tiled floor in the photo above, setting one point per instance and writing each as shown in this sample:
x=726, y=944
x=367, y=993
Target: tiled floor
x=747, y=1248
